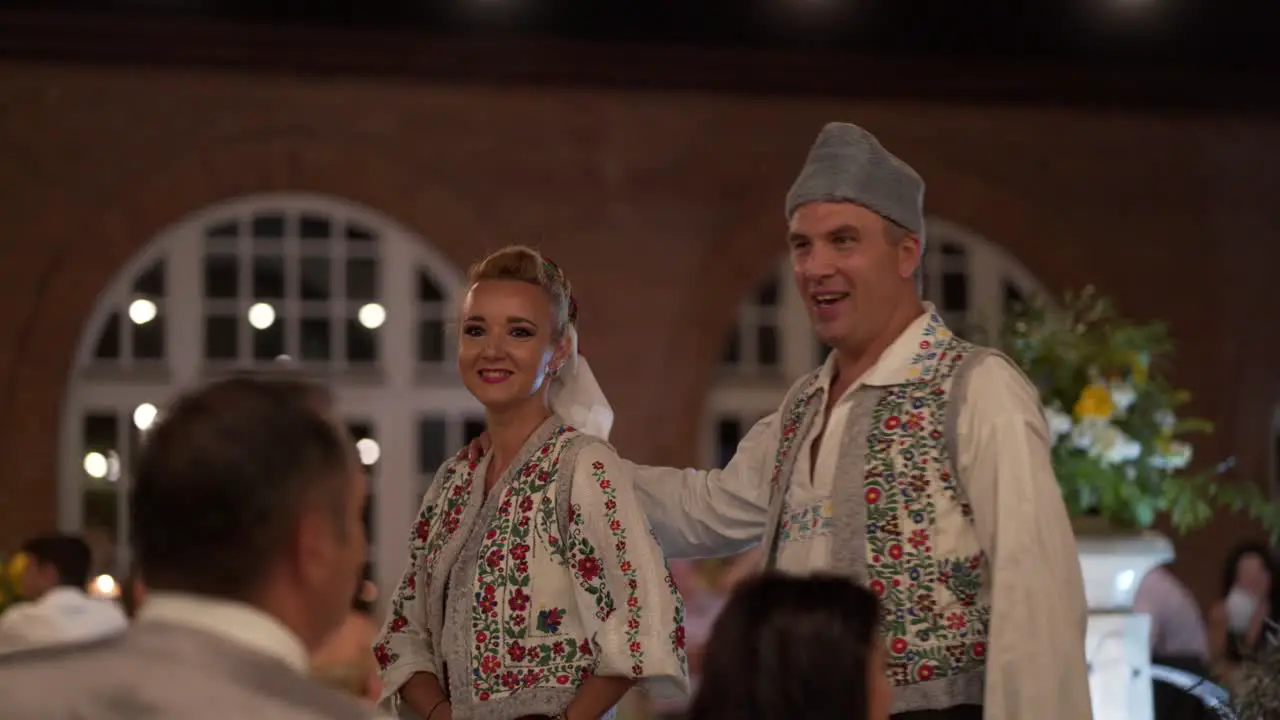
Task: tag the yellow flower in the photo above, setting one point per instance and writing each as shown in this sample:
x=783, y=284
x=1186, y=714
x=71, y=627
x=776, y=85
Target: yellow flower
x=1095, y=402
x=17, y=566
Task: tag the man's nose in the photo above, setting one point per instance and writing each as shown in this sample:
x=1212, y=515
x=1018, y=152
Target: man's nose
x=818, y=263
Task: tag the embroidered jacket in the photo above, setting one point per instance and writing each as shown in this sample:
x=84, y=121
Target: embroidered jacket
x=908, y=532
x=880, y=490
x=512, y=601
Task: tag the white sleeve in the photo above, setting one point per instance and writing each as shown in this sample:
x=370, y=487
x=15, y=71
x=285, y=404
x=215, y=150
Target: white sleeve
x=710, y=513
x=623, y=587
x=1036, y=664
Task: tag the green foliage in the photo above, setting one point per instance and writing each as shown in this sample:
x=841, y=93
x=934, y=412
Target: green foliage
x=1120, y=448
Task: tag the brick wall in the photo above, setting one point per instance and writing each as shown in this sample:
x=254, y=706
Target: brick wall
x=664, y=209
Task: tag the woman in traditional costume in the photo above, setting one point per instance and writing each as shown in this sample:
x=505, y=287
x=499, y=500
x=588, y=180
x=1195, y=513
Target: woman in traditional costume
x=535, y=586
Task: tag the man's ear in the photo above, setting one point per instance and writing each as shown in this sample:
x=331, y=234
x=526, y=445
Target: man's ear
x=910, y=255
x=313, y=545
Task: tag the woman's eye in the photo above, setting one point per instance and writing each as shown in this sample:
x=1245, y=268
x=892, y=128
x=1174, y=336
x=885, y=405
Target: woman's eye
x=521, y=332
x=472, y=331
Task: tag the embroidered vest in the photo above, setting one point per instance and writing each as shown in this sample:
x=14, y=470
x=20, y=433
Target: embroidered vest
x=901, y=523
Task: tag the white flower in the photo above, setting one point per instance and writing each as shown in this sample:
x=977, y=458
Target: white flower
x=1174, y=457
x=1122, y=396
x=1166, y=420
x=1103, y=440
x=1058, y=421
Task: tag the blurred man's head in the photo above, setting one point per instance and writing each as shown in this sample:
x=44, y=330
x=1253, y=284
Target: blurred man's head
x=249, y=490
x=54, y=561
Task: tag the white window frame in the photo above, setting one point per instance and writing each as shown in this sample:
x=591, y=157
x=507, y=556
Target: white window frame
x=393, y=402
x=749, y=397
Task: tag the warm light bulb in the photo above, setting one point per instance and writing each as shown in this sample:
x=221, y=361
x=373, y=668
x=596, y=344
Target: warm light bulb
x=369, y=451
x=372, y=315
x=144, y=416
x=261, y=315
x=142, y=311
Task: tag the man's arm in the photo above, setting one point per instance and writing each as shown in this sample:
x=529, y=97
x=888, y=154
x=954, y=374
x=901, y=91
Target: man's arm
x=1036, y=665
x=709, y=513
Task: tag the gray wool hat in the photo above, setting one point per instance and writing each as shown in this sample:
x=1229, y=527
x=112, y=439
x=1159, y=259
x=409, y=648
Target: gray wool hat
x=848, y=164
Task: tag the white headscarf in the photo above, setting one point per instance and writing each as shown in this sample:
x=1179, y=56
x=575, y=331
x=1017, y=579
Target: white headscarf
x=576, y=396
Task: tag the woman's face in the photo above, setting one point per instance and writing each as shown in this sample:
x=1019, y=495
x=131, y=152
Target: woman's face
x=1253, y=575
x=505, y=346
x=879, y=692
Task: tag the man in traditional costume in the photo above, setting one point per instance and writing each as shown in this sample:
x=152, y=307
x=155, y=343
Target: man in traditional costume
x=911, y=460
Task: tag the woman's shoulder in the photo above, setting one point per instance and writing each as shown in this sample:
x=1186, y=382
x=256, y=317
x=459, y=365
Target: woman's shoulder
x=586, y=450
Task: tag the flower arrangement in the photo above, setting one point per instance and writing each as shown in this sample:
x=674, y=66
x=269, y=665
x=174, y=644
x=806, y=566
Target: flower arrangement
x=11, y=570
x=1120, y=448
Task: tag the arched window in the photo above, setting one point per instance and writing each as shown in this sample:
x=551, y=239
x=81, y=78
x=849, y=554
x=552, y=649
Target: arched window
x=334, y=289
x=970, y=280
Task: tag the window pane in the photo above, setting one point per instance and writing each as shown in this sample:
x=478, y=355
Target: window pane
x=101, y=525
x=221, y=276
x=432, y=436
x=314, y=227
x=767, y=294
x=471, y=429
x=315, y=278
x=366, y=517
x=109, y=340
x=268, y=277
x=728, y=435
x=362, y=281
x=148, y=338
x=428, y=290
x=955, y=291
x=362, y=343
x=220, y=342
x=268, y=226
x=767, y=346
x=151, y=282
x=224, y=230
x=1013, y=297
x=268, y=343
x=314, y=341
x=358, y=234
x=360, y=429
x=952, y=250
x=732, y=354
x=101, y=432
x=431, y=341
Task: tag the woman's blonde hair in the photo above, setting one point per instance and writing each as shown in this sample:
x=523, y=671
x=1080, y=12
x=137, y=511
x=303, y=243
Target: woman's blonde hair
x=524, y=264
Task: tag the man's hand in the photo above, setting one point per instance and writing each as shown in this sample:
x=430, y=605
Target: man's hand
x=476, y=448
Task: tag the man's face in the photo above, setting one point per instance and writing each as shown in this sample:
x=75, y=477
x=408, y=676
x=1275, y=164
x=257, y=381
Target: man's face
x=851, y=277
x=332, y=547
x=37, y=579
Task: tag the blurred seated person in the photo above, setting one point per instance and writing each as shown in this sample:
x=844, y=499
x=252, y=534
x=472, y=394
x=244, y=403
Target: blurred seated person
x=790, y=648
x=1178, y=634
x=345, y=660
x=58, y=611
x=1248, y=611
x=1178, y=640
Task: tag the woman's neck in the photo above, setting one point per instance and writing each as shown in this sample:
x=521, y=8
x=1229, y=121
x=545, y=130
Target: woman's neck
x=509, y=429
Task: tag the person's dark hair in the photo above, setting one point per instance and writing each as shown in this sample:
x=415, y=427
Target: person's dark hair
x=226, y=475
x=790, y=649
x=68, y=554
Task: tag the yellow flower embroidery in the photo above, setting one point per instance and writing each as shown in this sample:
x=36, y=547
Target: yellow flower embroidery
x=1095, y=402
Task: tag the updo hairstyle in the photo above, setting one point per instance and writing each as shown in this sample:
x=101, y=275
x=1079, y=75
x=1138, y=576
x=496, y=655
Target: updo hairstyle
x=524, y=264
